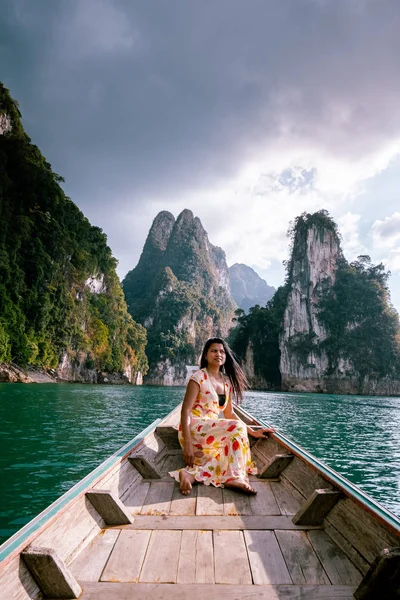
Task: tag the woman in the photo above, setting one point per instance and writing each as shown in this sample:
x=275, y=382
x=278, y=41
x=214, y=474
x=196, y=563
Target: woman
x=216, y=451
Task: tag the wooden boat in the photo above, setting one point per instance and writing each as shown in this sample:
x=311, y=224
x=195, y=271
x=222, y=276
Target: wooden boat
x=126, y=532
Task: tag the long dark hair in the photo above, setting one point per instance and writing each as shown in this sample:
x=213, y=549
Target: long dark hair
x=231, y=367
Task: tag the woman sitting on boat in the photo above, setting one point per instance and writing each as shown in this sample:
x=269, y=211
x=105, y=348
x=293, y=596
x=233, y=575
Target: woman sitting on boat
x=216, y=451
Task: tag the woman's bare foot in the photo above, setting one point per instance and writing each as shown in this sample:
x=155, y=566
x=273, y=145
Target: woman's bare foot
x=241, y=486
x=186, y=481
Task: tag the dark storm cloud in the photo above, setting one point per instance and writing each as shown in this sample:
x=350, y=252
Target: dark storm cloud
x=134, y=101
x=157, y=97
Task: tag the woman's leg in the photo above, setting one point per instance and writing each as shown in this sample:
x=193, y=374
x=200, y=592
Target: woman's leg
x=186, y=481
x=240, y=486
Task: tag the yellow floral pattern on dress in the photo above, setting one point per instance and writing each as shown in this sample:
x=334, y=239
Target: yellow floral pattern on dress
x=223, y=442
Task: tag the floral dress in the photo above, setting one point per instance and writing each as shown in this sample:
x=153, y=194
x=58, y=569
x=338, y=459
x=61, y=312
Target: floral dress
x=224, y=442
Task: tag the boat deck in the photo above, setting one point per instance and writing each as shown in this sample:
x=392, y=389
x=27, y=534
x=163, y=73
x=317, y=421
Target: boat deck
x=215, y=543
x=125, y=532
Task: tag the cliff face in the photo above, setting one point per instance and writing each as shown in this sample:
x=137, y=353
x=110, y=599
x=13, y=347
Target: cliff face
x=247, y=287
x=180, y=292
x=61, y=303
x=339, y=331
x=303, y=363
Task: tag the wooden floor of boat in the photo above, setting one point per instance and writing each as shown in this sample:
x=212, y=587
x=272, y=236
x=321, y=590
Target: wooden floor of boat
x=215, y=543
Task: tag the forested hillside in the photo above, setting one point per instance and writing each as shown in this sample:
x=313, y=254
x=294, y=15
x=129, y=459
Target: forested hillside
x=60, y=295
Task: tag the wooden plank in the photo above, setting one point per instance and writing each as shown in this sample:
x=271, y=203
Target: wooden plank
x=236, y=503
x=183, y=505
x=158, y=499
x=288, y=502
x=258, y=458
x=172, y=462
x=196, y=558
x=146, y=469
x=215, y=522
x=16, y=582
x=358, y=561
x=137, y=495
x=127, y=557
x=266, y=560
x=161, y=562
x=362, y=531
x=209, y=500
x=151, y=449
x=169, y=435
x=120, y=478
x=276, y=466
x=151, y=446
x=304, y=478
x=173, y=418
x=267, y=448
x=300, y=558
x=317, y=507
x=89, y=564
x=50, y=573
x=339, y=568
x=127, y=591
x=109, y=507
x=72, y=530
x=231, y=562
x=383, y=579
x=263, y=503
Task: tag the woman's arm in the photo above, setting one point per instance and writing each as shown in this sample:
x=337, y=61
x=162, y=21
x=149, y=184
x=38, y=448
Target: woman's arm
x=192, y=391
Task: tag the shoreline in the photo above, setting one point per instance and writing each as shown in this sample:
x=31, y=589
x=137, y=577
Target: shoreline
x=12, y=373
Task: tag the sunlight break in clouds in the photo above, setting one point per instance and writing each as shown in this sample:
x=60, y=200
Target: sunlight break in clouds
x=386, y=235
x=250, y=215
x=348, y=224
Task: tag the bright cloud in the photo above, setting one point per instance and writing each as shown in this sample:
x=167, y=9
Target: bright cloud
x=393, y=260
x=386, y=233
x=348, y=224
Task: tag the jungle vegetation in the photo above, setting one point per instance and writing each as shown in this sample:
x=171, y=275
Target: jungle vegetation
x=49, y=256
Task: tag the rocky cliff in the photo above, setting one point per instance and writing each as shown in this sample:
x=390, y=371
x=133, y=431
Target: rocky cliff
x=314, y=259
x=329, y=328
x=61, y=303
x=247, y=287
x=180, y=292
x=338, y=323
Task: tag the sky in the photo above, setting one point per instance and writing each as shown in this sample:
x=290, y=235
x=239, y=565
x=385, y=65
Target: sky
x=247, y=113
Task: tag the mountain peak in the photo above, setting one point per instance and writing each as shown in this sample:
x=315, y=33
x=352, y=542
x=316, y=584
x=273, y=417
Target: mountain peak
x=181, y=295
x=247, y=287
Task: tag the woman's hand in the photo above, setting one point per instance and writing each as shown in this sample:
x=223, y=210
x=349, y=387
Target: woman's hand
x=188, y=454
x=260, y=433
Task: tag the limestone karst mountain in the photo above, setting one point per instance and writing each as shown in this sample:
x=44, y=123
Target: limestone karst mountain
x=180, y=292
x=248, y=288
x=340, y=332
x=330, y=327
x=315, y=255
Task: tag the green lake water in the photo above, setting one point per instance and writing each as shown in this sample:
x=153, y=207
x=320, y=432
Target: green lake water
x=53, y=435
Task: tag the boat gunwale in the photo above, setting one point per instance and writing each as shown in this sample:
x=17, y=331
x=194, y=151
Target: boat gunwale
x=373, y=507
x=24, y=536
